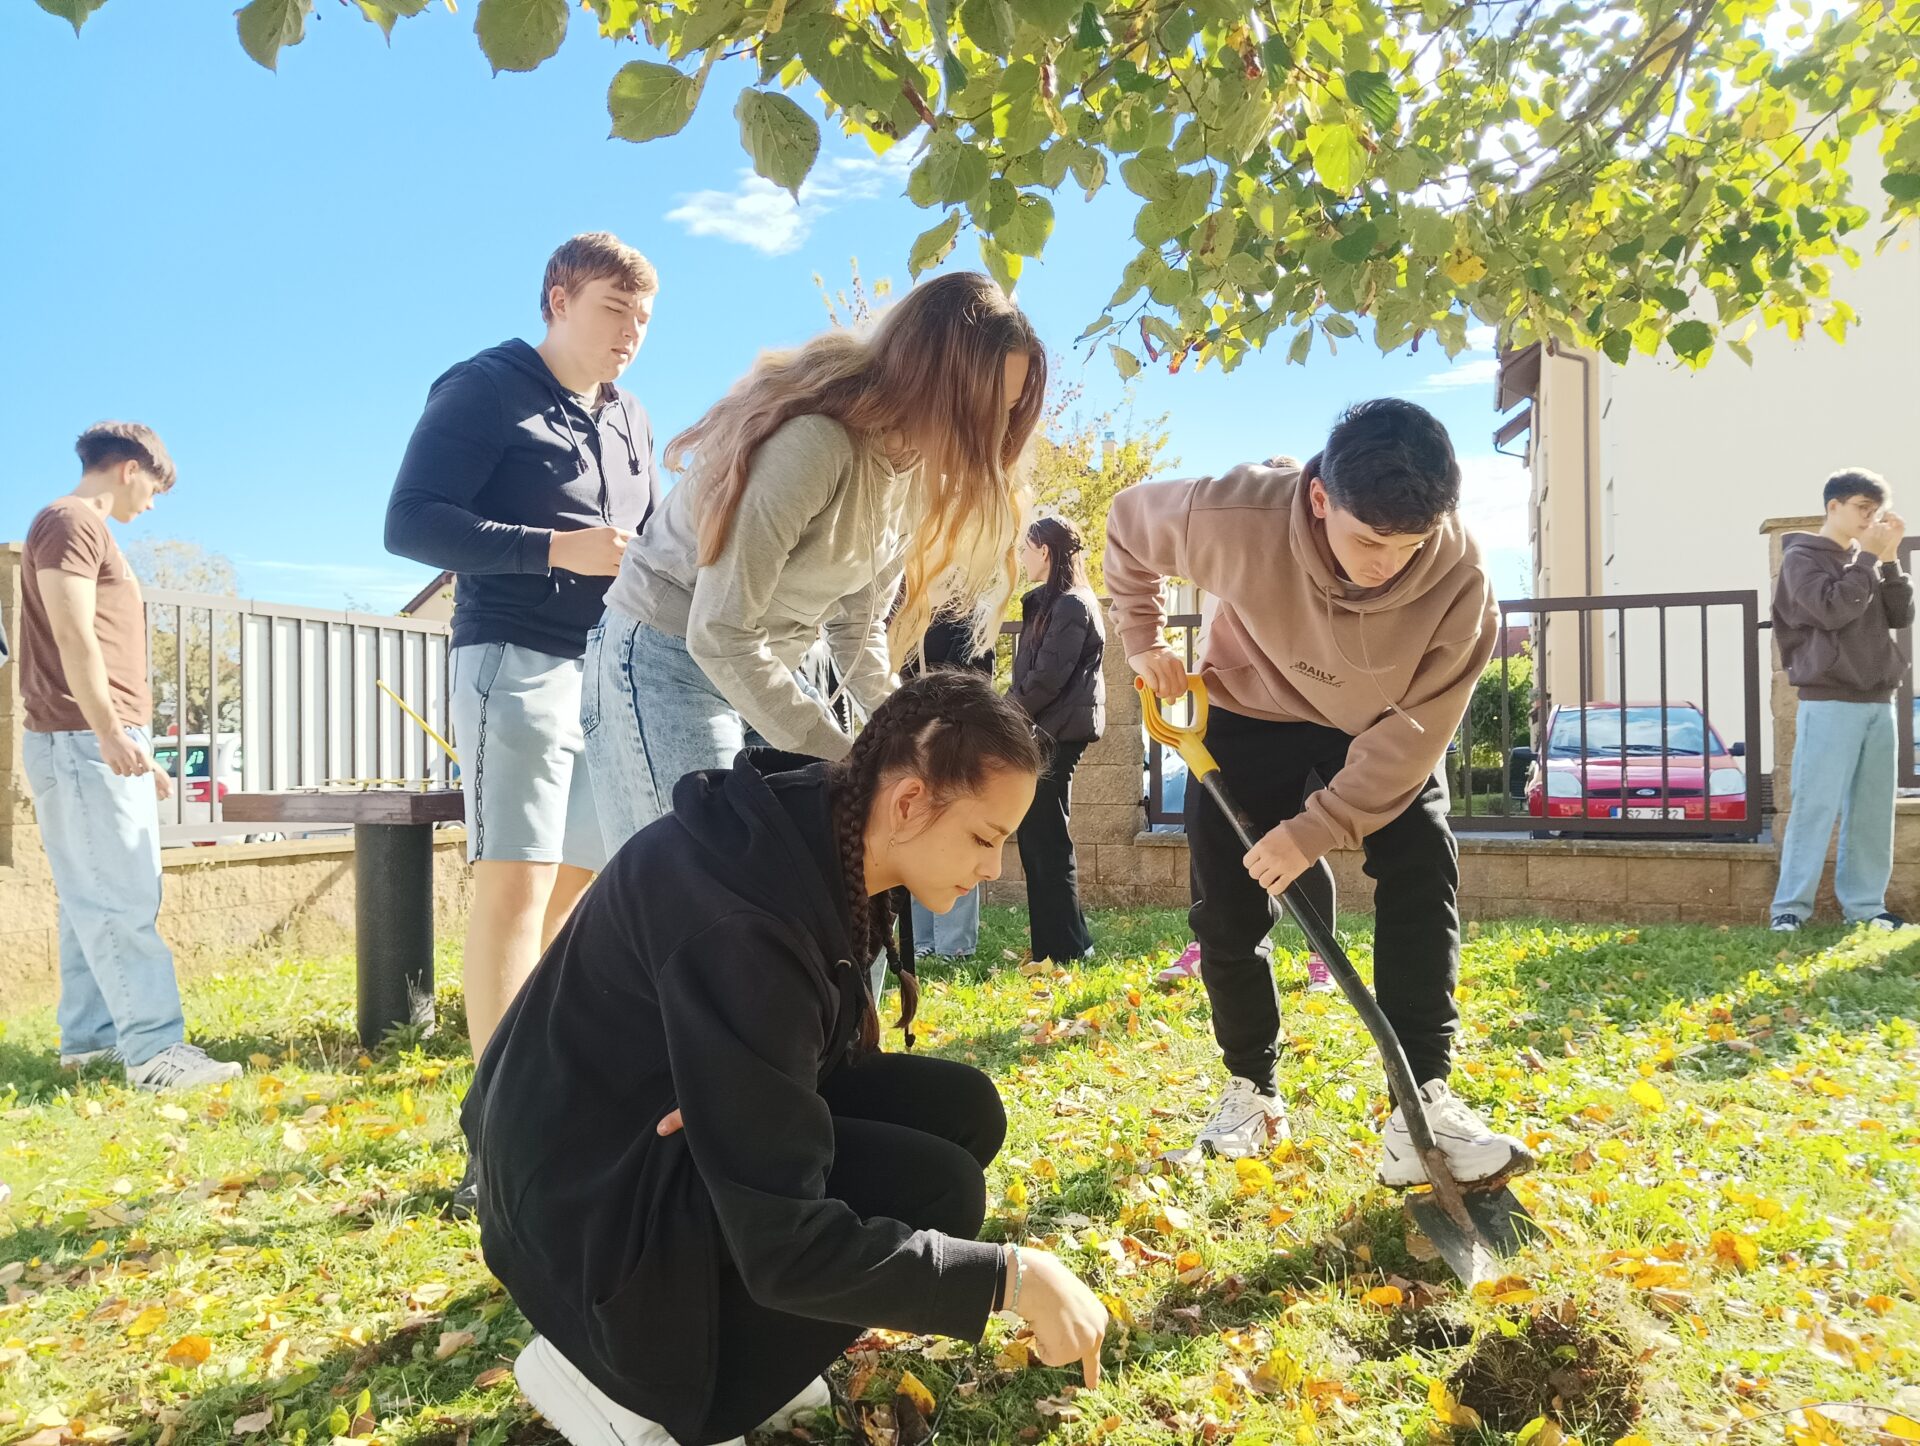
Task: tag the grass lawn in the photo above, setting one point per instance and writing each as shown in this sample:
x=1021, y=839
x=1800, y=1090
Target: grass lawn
x=1727, y=1126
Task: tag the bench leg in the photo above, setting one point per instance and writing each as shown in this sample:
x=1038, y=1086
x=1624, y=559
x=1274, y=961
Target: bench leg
x=393, y=926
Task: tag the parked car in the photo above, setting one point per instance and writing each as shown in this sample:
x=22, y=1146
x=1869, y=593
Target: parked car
x=212, y=771
x=1628, y=768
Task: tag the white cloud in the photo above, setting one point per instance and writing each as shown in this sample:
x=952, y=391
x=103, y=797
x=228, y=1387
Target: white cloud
x=1493, y=501
x=1480, y=338
x=1480, y=372
x=759, y=214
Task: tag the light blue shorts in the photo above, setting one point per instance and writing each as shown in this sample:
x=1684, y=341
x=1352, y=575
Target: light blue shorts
x=523, y=762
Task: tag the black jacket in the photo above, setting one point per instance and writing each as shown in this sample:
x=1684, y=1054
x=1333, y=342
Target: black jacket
x=502, y=457
x=1057, y=676
x=708, y=968
x=1835, y=610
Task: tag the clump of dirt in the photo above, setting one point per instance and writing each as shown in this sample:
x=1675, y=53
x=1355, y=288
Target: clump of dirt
x=1583, y=1375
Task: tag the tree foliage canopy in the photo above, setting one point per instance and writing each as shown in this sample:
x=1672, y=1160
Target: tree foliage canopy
x=1620, y=174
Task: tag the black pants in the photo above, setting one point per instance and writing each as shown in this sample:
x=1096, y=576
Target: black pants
x=912, y=1137
x=1413, y=860
x=1059, y=929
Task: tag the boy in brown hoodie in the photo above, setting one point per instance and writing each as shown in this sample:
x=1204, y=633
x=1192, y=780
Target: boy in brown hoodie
x=1354, y=617
x=1839, y=597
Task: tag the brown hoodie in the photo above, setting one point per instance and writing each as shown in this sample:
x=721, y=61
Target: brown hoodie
x=1393, y=666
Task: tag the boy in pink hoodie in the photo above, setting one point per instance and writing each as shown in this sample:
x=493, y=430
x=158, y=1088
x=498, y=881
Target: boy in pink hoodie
x=1354, y=616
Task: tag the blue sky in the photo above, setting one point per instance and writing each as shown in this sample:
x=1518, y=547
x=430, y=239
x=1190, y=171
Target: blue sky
x=272, y=268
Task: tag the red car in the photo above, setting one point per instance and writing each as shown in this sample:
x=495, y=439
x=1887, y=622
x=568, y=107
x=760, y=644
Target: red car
x=1621, y=769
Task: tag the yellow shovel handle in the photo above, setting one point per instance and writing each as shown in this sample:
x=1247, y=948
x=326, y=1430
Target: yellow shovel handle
x=1188, y=741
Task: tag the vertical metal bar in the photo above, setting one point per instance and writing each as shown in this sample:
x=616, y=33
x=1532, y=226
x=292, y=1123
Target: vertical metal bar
x=353, y=686
x=273, y=739
x=1706, y=722
x=446, y=703
x=1666, y=781
x=1586, y=694
x=299, y=702
x=1506, y=721
x=1750, y=660
x=180, y=713
x=1620, y=661
x=214, y=806
x=379, y=722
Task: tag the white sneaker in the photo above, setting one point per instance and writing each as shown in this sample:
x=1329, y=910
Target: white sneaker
x=1474, y=1152
x=180, y=1066
x=83, y=1058
x=816, y=1397
x=1245, y=1122
x=574, y=1406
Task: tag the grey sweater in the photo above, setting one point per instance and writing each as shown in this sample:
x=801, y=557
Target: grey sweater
x=819, y=541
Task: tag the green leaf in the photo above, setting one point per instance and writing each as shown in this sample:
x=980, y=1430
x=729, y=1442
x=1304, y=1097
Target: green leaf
x=1125, y=362
x=1671, y=297
x=1357, y=245
x=1618, y=345
x=1025, y=232
x=933, y=245
x=1338, y=157
x=74, y=12
x=702, y=25
x=1374, y=94
x=519, y=34
x=1090, y=169
x=1901, y=185
x=1691, y=339
x=1151, y=175
x=648, y=100
x=1091, y=33
x=988, y=24
x=1302, y=344
x=951, y=172
x=1003, y=266
x=782, y=138
x=266, y=25
x=1103, y=322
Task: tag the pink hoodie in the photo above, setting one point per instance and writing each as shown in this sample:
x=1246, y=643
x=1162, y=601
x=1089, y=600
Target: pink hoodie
x=1394, y=666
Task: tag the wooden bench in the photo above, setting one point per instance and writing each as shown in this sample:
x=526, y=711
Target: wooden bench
x=393, y=887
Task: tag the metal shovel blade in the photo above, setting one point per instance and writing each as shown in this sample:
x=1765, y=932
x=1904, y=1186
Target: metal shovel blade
x=1501, y=1226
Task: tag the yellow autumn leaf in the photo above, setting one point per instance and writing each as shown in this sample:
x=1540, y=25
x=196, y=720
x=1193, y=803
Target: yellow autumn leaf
x=1462, y=267
x=1017, y=1194
x=1636, y=1439
x=1385, y=1296
x=1735, y=1249
x=1187, y=1260
x=1647, y=1096
x=1013, y=1356
x=1252, y=1177
x=189, y=1351
x=147, y=1322
x=1901, y=1428
x=1447, y=1407
x=915, y=1391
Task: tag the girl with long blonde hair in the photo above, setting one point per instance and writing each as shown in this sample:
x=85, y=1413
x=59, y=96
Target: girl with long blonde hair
x=828, y=475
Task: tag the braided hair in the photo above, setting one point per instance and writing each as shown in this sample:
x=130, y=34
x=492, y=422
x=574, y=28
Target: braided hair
x=1065, y=568
x=949, y=729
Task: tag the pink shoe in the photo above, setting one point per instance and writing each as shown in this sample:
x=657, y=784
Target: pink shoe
x=1187, y=966
x=1319, y=977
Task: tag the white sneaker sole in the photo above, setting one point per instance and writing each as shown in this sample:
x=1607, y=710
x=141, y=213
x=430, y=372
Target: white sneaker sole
x=1277, y=1129
x=816, y=1397
x=552, y=1391
x=1519, y=1160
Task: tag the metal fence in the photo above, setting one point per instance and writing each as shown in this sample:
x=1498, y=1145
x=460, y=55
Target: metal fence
x=1603, y=744
x=252, y=696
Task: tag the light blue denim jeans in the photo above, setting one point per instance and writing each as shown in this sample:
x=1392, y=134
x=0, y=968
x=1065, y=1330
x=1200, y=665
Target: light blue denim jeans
x=954, y=934
x=1844, y=767
x=101, y=833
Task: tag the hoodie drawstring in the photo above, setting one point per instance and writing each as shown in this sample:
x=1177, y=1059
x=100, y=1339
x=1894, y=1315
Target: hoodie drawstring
x=1368, y=669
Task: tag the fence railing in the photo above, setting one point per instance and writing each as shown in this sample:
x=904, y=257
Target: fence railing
x=260, y=696
x=1606, y=746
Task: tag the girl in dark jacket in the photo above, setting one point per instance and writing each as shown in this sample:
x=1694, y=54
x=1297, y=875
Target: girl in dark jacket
x=1057, y=679
x=699, y=1178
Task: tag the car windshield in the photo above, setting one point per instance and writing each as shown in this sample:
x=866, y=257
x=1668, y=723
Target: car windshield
x=1641, y=726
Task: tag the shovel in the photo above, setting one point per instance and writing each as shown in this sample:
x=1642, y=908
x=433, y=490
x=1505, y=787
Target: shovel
x=1470, y=1225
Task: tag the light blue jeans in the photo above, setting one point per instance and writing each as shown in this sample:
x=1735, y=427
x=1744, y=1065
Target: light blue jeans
x=101, y=833
x=1844, y=766
x=954, y=934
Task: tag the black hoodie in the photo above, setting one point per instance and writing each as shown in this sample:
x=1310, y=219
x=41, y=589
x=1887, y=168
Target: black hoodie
x=709, y=969
x=502, y=458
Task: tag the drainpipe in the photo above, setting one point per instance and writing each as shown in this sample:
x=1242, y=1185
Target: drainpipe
x=1585, y=360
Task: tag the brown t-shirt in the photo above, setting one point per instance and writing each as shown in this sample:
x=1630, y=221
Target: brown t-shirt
x=70, y=536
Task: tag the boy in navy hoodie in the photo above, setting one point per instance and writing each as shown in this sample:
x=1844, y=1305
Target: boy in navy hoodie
x=527, y=475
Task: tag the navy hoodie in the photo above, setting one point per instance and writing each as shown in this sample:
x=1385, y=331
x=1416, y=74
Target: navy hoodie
x=709, y=968
x=502, y=458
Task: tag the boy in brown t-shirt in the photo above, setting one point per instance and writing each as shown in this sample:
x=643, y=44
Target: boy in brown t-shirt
x=89, y=762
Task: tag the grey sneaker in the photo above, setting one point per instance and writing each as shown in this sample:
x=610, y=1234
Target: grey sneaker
x=180, y=1066
x=1785, y=924
x=82, y=1058
x=1245, y=1122
x=1884, y=920
x=1474, y=1150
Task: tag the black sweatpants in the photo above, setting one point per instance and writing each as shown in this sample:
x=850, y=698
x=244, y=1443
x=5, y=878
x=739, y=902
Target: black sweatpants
x=1413, y=861
x=1057, y=926
x=912, y=1137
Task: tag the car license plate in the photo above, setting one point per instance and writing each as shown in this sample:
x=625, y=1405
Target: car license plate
x=1674, y=811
